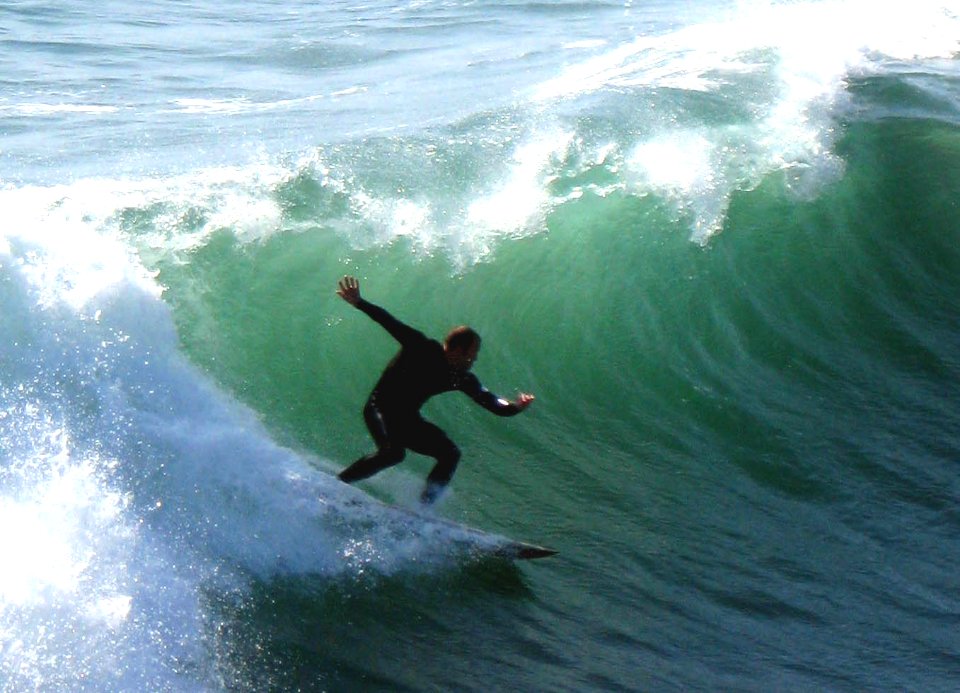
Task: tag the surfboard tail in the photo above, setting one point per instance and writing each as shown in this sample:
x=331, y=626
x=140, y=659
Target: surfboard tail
x=523, y=551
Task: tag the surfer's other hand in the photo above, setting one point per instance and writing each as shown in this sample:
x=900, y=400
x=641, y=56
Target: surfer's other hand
x=524, y=400
x=349, y=290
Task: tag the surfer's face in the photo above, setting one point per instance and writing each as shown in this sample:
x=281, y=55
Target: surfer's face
x=463, y=358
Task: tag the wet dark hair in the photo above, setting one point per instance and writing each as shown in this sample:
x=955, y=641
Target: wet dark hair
x=462, y=337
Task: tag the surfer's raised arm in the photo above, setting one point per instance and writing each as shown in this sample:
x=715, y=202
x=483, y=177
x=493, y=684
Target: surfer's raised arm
x=348, y=289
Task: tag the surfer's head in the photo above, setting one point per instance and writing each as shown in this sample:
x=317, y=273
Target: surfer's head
x=461, y=346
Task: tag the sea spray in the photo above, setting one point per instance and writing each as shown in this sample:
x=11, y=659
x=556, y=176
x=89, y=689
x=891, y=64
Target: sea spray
x=132, y=484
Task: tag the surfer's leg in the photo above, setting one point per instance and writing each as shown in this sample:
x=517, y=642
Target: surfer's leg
x=388, y=453
x=368, y=465
x=428, y=439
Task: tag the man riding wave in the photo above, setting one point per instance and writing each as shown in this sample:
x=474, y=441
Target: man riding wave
x=422, y=368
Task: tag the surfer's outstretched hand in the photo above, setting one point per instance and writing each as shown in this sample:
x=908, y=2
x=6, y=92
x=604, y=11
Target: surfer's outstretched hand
x=349, y=290
x=524, y=400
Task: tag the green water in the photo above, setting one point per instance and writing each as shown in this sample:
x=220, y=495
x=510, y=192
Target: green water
x=742, y=442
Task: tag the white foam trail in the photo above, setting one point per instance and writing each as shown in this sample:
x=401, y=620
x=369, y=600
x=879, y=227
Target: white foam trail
x=241, y=105
x=48, y=109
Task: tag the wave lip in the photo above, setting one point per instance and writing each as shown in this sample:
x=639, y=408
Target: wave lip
x=779, y=73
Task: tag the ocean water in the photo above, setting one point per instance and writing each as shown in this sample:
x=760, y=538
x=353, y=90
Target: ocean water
x=719, y=241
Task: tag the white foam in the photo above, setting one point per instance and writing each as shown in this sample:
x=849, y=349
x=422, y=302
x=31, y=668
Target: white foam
x=392, y=218
x=236, y=199
x=806, y=51
x=29, y=109
x=680, y=160
x=61, y=264
x=519, y=199
x=58, y=519
x=242, y=105
x=822, y=39
x=464, y=224
x=683, y=166
x=72, y=600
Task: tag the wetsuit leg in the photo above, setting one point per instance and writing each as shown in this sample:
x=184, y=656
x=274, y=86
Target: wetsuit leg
x=428, y=439
x=389, y=451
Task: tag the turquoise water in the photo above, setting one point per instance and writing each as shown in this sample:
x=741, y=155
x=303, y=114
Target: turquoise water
x=718, y=241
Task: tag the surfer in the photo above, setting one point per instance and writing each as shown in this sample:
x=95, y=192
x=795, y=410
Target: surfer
x=423, y=368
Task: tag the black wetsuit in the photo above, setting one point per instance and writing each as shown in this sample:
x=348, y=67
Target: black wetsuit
x=392, y=413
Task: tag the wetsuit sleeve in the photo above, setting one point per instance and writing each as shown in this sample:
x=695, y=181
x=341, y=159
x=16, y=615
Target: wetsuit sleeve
x=470, y=385
x=398, y=330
